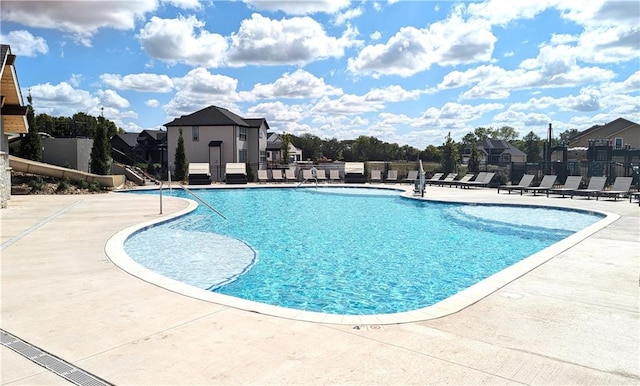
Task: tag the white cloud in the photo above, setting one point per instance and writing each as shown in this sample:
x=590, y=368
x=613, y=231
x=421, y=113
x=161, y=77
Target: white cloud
x=298, y=40
x=139, y=82
x=23, y=43
x=300, y=84
x=346, y=104
x=80, y=18
x=412, y=50
x=392, y=93
x=184, y=4
x=198, y=89
x=152, y=103
x=63, y=100
x=110, y=98
x=375, y=35
x=304, y=7
x=348, y=15
x=183, y=40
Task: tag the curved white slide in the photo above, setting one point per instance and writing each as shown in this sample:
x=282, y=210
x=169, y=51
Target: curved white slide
x=48, y=170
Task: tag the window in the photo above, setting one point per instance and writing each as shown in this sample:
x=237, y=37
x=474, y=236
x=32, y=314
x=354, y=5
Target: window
x=195, y=133
x=618, y=143
x=242, y=134
x=242, y=155
x=263, y=156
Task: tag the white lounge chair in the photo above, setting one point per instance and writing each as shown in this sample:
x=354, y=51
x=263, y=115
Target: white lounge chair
x=392, y=176
x=375, y=176
x=412, y=176
x=354, y=172
x=236, y=173
x=334, y=175
x=276, y=175
x=263, y=176
x=198, y=173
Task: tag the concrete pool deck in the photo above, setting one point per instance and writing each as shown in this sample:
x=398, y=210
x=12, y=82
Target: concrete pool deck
x=572, y=320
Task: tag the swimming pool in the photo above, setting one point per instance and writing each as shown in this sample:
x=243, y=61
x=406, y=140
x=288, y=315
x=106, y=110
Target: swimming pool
x=344, y=251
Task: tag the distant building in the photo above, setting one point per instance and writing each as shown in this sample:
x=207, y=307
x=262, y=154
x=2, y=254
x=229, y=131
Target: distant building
x=148, y=146
x=72, y=153
x=216, y=136
x=619, y=134
x=274, y=151
x=496, y=152
x=13, y=117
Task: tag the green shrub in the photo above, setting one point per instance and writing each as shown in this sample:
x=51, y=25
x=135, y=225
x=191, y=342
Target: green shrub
x=36, y=183
x=63, y=185
x=83, y=184
x=94, y=187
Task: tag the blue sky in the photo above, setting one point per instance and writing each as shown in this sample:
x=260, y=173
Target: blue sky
x=407, y=72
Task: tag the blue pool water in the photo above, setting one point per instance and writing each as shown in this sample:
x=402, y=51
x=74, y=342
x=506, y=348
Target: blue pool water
x=349, y=251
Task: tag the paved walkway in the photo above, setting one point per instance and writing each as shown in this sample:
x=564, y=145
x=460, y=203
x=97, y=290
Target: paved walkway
x=573, y=320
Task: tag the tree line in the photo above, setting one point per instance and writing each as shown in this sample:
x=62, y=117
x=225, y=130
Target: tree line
x=80, y=125
x=368, y=148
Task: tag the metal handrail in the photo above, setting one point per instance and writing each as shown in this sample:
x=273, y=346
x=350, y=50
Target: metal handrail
x=194, y=195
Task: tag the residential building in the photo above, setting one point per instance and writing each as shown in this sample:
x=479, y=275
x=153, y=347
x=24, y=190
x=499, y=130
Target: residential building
x=13, y=117
x=619, y=134
x=148, y=146
x=274, y=151
x=496, y=152
x=216, y=136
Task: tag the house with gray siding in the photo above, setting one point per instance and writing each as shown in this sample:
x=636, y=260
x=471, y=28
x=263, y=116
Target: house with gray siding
x=216, y=136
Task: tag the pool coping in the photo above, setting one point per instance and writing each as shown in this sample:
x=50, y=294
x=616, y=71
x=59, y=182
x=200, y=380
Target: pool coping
x=114, y=249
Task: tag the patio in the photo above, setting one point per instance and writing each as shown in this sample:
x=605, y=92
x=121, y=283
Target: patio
x=572, y=320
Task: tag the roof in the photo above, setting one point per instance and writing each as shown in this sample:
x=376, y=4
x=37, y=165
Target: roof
x=257, y=122
x=210, y=116
x=607, y=130
x=14, y=111
x=130, y=139
x=500, y=144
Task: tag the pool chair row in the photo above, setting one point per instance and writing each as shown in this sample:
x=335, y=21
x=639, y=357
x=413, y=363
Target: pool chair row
x=470, y=180
x=595, y=188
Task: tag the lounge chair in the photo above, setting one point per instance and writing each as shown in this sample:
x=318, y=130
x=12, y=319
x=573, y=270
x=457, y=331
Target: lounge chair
x=334, y=175
x=570, y=184
x=448, y=179
x=466, y=178
x=354, y=172
x=481, y=180
x=276, y=175
x=236, y=173
x=621, y=187
x=412, y=176
x=434, y=179
x=321, y=175
x=375, y=176
x=263, y=176
x=392, y=176
x=634, y=196
x=290, y=175
x=596, y=184
x=547, y=183
x=525, y=182
x=307, y=175
x=199, y=174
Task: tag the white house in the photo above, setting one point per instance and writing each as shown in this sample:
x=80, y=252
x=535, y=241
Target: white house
x=216, y=136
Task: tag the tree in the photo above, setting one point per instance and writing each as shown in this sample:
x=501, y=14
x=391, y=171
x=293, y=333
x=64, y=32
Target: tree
x=180, y=164
x=31, y=145
x=506, y=133
x=473, y=165
x=101, y=150
x=532, y=145
x=450, y=155
x=286, y=142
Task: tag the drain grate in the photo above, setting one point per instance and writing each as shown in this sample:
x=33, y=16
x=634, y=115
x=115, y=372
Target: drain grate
x=56, y=365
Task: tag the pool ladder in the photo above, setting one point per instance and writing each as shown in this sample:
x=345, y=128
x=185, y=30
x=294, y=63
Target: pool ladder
x=194, y=195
